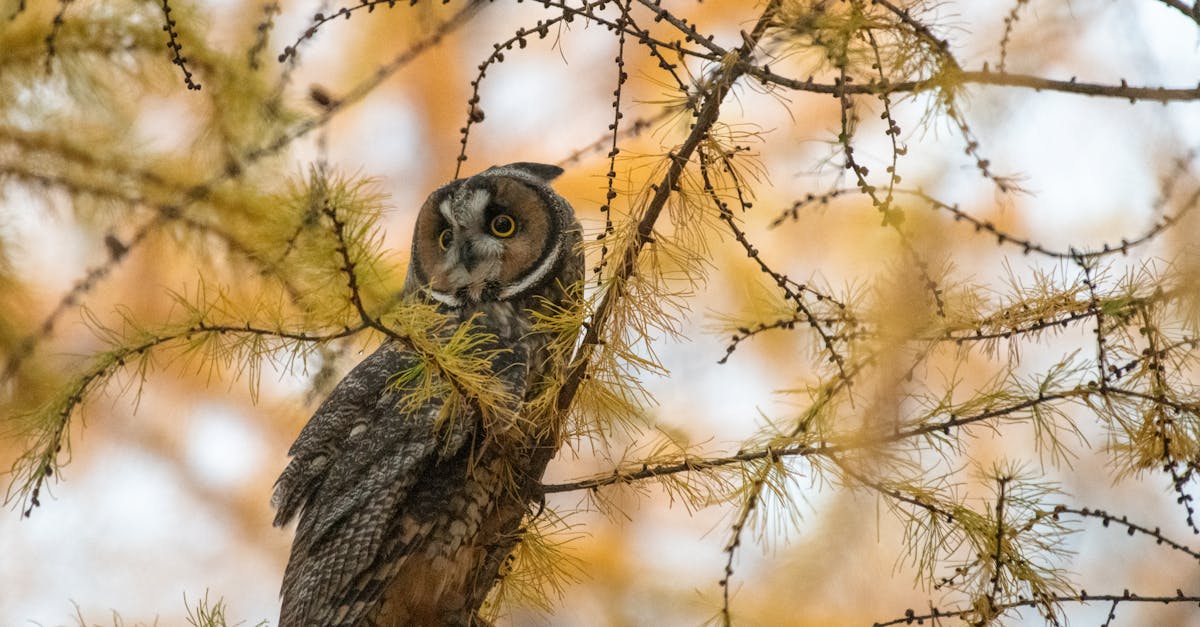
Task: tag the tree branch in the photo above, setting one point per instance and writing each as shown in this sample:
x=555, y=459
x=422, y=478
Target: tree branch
x=912, y=618
x=804, y=450
x=1192, y=12
x=709, y=112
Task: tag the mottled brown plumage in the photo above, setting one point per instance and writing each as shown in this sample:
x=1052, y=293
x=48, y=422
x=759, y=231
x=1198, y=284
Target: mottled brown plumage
x=405, y=518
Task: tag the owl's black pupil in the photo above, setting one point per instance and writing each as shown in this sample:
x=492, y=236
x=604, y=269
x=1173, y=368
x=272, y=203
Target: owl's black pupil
x=502, y=224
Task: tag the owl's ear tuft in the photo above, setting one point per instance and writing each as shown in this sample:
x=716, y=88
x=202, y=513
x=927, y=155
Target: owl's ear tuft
x=541, y=171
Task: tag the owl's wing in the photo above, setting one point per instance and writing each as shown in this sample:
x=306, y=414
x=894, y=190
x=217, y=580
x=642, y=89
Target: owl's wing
x=352, y=464
x=352, y=406
x=352, y=467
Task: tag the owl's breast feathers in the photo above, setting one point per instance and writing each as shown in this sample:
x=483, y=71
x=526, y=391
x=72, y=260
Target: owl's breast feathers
x=400, y=513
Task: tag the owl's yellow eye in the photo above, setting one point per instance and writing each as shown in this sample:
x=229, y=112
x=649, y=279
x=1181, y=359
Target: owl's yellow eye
x=503, y=225
x=444, y=239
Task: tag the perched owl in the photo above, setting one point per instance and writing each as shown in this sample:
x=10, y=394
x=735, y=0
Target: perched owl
x=405, y=519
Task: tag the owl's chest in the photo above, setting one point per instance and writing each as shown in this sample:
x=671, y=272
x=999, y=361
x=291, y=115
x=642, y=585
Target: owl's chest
x=507, y=320
x=521, y=356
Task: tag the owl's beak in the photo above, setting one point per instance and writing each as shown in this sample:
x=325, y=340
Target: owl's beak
x=467, y=257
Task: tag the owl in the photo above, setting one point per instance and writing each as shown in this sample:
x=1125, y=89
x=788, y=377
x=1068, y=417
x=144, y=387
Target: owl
x=405, y=516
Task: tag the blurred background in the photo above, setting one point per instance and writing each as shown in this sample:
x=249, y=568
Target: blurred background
x=166, y=497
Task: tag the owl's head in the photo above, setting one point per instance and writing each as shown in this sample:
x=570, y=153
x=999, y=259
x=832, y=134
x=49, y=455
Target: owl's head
x=499, y=235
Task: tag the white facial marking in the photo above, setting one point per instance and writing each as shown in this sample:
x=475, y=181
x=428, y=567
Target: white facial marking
x=534, y=275
x=474, y=206
x=448, y=300
x=465, y=207
x=444, y=209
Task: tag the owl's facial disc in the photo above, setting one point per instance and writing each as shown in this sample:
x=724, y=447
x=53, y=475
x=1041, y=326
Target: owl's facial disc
x=491, y=238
